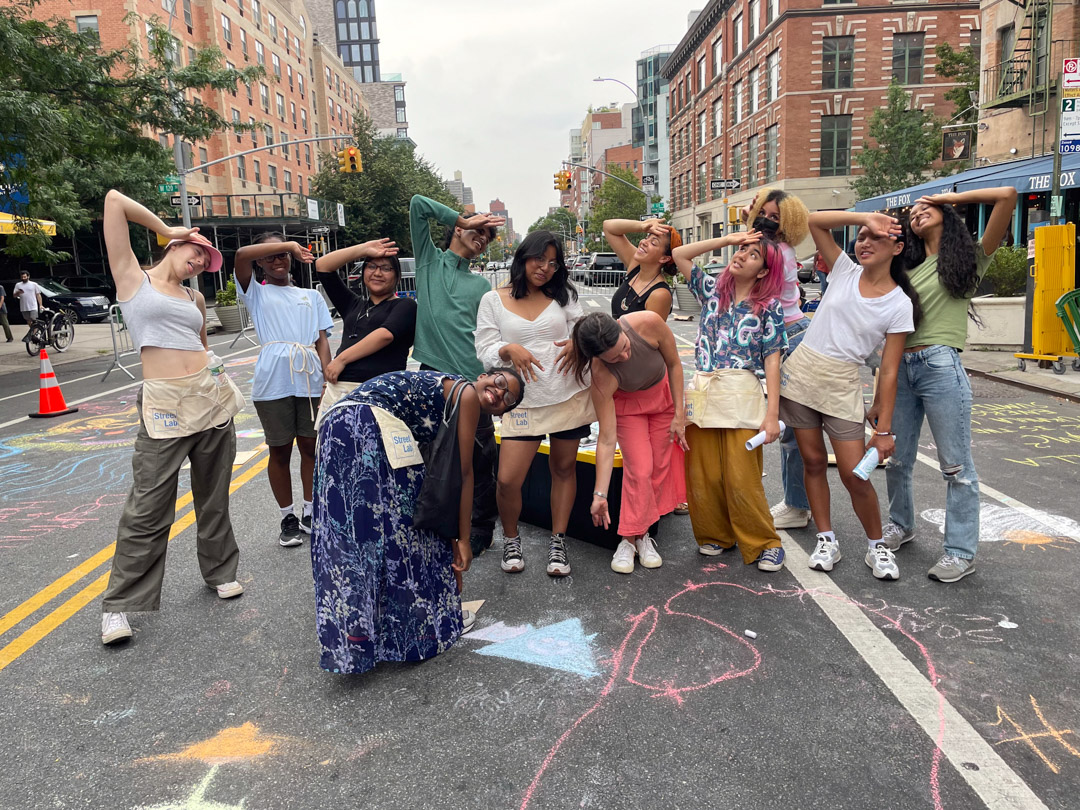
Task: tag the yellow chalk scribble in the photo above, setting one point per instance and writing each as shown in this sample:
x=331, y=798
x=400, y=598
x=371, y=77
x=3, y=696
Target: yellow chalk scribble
x=1029, y=739
x=237, y=744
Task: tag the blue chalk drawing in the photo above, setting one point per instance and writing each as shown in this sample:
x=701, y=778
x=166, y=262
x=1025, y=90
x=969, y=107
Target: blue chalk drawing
x=499, y=632
x=561, y=646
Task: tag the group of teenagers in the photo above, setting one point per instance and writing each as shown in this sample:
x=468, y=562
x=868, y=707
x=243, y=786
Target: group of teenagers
x=527, y=352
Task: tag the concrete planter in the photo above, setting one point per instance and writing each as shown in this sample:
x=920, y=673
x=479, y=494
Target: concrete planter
x=1002, y=324
x=686, y=300
x=229, y=317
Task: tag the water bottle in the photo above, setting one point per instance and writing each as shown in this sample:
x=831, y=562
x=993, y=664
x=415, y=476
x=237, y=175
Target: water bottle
x=867, y=465
x=216, y=366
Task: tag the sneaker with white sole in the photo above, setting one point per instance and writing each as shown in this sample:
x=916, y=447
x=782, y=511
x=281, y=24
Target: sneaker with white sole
x=951, y=568
x=882, y=562
x=647, y=554
x=468, y=621
x=771, y=559
x=894, y=537
x=227, y=590
x=290, y=532
x=826, y=555
x=682, y=508
x=788, y=517
x=712, y=549
x=512, y=560
x=305, y=524
x=622, y=562
x=114, y=627
x=558, y=563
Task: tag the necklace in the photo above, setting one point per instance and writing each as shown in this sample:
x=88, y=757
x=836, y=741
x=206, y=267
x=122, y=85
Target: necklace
x=630, y=290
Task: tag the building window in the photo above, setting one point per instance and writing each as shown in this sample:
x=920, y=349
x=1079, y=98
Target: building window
x=835, y=145
x=187, y=13
x=736, y=28
x=771, y=10
x=254, y=134
x=285, y=144
x=87, y=23
x=718, y=118
x=837, y=58
x=754, y=14
x=276, y=62
x=772, y=149
x=300, y=83
x=736, y=163
x=236, y=120
x=258, y=171
x=264, y=97
x=399, y=92
x=260, y=54
x=243, y=43
x=226, y=30
x=703, y=183
x=718, y=174
x=701, y=74
x=269, y=133
x=399, y=115
x=717, y=56
x=292, y=112
x=907, y=58
x=307, y=154
x=271, y=174
x=737, y=102
x=303, y=119
x=703, y=129
x=241, y=168
x=272, y=22
x=751, y=161
x=772, y=66
x=755, y=89
x=288, y=180
x=245, y=208
x=281, y=106
x=256, y=13
x=975, y=41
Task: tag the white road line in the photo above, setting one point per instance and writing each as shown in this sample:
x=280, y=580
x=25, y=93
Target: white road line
x=592, y=302
x=998, y=785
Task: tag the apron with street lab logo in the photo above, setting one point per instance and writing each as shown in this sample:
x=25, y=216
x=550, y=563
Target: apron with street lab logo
x=398, y=442
x=174, y=407
x=728, y=398
x=546, y=419
x=823, y=383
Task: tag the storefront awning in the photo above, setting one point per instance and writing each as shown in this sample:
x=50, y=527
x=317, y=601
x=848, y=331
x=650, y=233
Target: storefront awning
x=8, y=225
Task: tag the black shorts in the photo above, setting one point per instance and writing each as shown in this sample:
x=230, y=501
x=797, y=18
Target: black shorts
x=578, y=433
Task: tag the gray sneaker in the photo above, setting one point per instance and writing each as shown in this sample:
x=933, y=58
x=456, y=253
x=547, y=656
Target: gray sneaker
x=894, y=537
x=951, y=568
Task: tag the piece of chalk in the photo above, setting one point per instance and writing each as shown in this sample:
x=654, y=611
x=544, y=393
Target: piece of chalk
x=749, y=634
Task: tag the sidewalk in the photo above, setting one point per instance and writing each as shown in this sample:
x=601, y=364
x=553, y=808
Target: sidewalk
x=1002, y=367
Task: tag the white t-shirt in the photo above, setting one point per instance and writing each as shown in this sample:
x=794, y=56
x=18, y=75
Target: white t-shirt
x=496, y=326
x=849, y=327
x=28, y=295
x=293, y=315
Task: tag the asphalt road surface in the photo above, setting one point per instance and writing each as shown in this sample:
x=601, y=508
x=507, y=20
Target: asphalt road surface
x=595, y=691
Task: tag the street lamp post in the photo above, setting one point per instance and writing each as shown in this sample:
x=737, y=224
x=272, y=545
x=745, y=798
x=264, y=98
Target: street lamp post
x=644, y=129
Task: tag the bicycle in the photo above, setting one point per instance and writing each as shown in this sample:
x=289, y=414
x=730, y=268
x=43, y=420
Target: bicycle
x=51, y=328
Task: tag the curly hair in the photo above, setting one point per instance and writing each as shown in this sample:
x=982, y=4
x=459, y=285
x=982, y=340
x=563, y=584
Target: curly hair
x=956, y=264
x=794, y=217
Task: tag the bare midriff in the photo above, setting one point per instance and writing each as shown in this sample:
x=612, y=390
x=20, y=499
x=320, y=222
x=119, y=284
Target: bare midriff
x=159, y=363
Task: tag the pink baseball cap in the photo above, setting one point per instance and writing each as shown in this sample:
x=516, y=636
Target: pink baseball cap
x=216, y=259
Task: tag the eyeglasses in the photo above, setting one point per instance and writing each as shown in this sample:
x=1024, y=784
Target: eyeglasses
x=499, y=380
x=382, y=268
x=276, y=257
x=552, y=265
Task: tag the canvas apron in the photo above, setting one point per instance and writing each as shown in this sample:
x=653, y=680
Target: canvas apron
x=575, y=412
x=332, y=394
x=174, y=407
x=827, y=385
x=728, y=398
x=398, y=442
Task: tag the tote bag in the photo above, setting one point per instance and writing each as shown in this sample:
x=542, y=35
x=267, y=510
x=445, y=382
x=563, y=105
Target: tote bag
x=439, y=501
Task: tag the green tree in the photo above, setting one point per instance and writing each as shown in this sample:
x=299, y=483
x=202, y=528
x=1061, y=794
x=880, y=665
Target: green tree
x=74, y=119
x=963, y=67
x=614, y=200
x=908, y=141
x=377, y=200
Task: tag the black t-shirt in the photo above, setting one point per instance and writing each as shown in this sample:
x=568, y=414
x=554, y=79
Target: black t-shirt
x=360, y=319
x=625, y=299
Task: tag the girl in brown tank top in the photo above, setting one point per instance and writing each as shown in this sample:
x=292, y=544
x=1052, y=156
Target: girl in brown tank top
x=629, y=361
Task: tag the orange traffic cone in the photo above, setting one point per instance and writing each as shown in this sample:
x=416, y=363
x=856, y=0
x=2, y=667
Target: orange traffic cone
x=50, y=400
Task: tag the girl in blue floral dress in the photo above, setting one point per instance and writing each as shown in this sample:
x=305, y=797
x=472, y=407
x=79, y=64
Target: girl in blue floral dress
x=385, y=591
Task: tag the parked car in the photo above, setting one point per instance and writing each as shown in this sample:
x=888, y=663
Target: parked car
x=579, y=269
x=714, y=268
x=91, y=284
x=56, y=296
x=604, y=270
x=806, y=271
x=406, y=286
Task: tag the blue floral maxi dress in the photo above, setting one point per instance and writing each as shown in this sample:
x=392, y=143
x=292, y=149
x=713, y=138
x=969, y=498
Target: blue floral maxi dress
x=384, y=591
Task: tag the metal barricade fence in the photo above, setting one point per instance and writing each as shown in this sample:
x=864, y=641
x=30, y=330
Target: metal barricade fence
x=121, y=342
x=245, y=326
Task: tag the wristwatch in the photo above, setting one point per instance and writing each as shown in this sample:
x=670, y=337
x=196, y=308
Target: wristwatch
x=600, y=495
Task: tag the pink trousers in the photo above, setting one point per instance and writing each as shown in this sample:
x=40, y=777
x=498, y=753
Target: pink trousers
x=643, y=419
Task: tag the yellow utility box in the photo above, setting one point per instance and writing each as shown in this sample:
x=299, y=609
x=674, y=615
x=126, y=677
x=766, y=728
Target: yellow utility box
x=1054, y=273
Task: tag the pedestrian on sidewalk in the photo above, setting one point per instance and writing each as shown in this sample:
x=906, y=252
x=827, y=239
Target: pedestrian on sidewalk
x=637, y=391
x=385, y=590
x=377, y=327
x=820, y=386
x=448, y=296
x=782, y=217
x=523, y=324
x=3, y=315
x=741, y=332
x=185, y=413
x=292, y=325
x=945, y=265
x=30, y=303
x=645, y=287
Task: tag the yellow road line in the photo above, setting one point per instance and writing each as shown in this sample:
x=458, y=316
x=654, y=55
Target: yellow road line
x=36, y=632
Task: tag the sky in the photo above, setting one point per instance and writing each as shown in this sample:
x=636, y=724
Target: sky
x=493, y=90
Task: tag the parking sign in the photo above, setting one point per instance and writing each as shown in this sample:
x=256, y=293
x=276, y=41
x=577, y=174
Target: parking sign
x=1070, y=74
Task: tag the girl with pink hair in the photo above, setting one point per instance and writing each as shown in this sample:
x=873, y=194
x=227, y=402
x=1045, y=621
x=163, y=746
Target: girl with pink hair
x=741, y=331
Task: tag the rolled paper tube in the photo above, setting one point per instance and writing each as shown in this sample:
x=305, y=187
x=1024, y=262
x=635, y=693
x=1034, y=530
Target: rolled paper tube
x=759, y=439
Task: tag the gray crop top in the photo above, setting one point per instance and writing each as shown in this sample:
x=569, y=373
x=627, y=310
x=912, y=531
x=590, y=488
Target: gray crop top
x=159, y=320
x=643, y=369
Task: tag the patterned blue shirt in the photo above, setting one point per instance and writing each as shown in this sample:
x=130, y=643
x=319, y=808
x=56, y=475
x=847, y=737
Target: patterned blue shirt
x=734, y=337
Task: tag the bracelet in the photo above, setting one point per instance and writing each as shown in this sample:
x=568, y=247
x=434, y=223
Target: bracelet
x=886, y=433
x=600, y=495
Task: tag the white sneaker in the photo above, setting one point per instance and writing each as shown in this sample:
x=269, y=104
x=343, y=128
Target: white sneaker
x=647, y=554
x=468, y=621
x=894, y=537
x=228, y=590
x=788, y=517
x=883, y=562
x=826, y=555
x=623, y=560
x=114, y=627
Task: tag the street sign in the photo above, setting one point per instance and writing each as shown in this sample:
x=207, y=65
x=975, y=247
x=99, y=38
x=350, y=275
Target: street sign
x=1057, y=205
x=1070, y=74
x=193, y=200
x=172, y=178
x=649, y=188
x=321, y=229
x=648, y=180
x=168, y=188
x=658, y=208
x=720, y=185
x=1069, y=140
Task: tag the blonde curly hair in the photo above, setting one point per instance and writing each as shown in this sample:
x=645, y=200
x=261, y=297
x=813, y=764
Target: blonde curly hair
x=794, y=225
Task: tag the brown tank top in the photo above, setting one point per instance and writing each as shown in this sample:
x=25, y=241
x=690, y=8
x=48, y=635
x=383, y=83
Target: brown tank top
x=645, y=367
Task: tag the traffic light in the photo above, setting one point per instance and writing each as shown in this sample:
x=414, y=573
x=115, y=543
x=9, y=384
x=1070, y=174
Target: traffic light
x=566, y=181
x=734, y=216
x=562, y=181
x=558, y=181
x=349, y=160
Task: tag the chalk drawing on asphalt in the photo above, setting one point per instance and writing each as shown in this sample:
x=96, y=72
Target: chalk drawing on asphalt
x=1004, y=524
x=562, y=646
x=1047, y=737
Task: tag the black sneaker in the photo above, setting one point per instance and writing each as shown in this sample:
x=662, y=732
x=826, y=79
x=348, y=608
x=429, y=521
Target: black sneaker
x=479, y=544
x=305, y=524
x=290, y=531
x=512, y=561
x=558, y=563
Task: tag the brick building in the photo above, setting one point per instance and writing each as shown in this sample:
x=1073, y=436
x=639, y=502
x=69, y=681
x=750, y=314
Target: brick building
x=780, y=92
x=600, y=130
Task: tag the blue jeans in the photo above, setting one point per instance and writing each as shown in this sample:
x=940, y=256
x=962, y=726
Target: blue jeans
x=791, y=466
x=933, y=383
x=823, y=280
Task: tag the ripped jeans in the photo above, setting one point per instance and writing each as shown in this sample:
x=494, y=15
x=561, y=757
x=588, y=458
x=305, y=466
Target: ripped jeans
x=933, y=383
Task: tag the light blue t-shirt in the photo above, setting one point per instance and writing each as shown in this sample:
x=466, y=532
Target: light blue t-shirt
x=291, y=315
